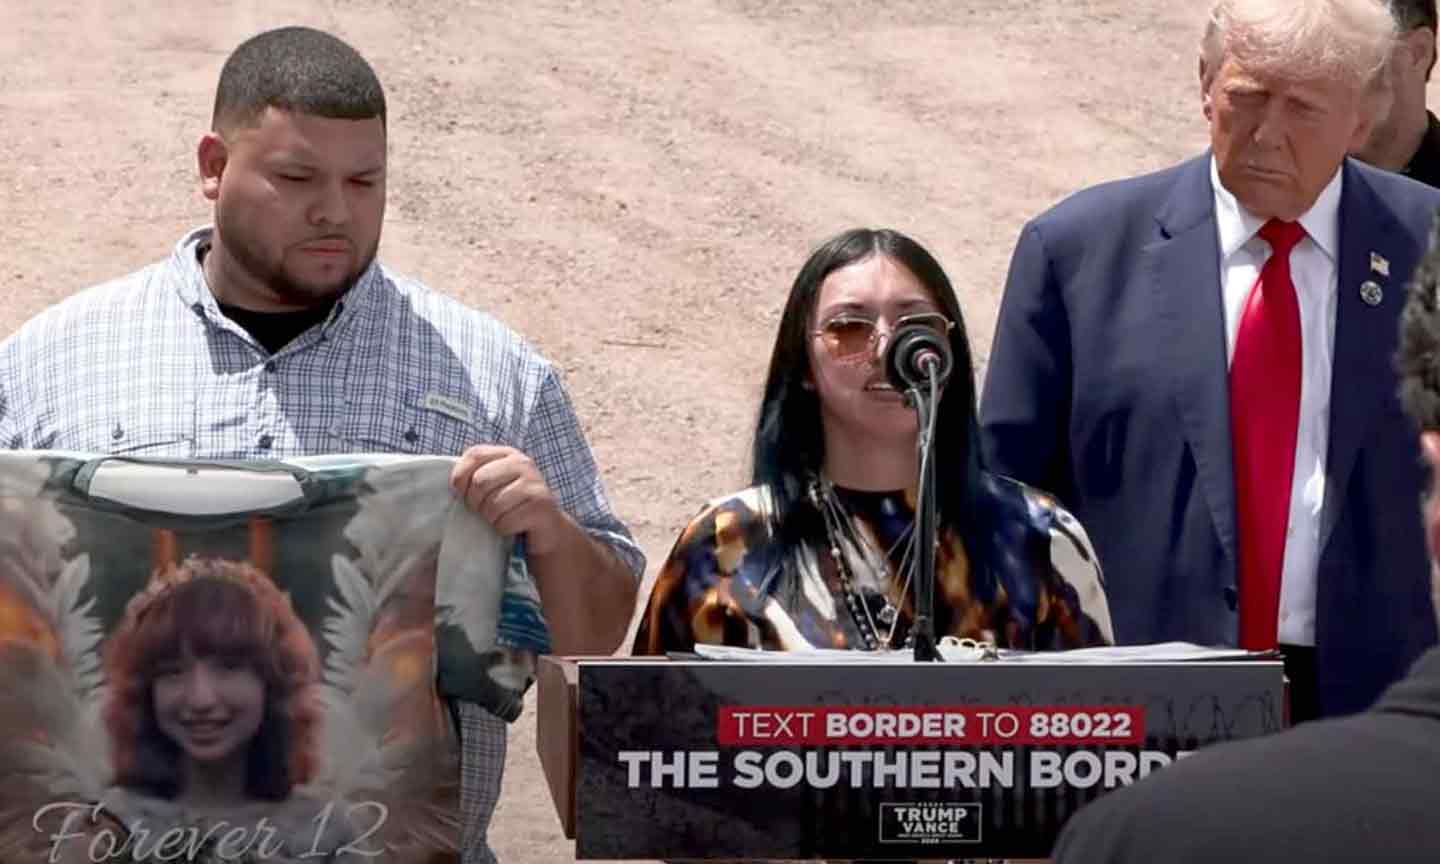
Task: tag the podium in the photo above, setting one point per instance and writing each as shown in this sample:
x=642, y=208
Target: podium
x=649, y=758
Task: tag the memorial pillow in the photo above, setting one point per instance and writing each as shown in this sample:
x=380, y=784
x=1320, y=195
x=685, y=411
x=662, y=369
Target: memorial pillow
x=240, y=662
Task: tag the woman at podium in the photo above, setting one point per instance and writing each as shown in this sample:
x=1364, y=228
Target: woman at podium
x=820, y=551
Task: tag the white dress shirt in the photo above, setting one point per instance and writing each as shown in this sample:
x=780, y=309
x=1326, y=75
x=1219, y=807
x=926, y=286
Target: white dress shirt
x=1314, y=272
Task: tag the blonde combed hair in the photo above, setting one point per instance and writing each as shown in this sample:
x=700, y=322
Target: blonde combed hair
x=1346, y=40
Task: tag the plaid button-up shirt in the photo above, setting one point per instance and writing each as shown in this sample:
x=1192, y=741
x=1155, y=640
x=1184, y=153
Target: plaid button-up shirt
x=148, y=365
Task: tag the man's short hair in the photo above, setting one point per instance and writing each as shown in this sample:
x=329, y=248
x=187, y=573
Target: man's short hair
x=1410, y=14
x=297, y=69
x=1418, y=358
x=1348, y=40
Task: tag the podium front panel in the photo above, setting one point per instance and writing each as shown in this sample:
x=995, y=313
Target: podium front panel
x=868, y=761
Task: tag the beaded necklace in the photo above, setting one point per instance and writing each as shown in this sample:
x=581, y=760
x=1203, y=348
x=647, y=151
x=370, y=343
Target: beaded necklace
x=840, y=534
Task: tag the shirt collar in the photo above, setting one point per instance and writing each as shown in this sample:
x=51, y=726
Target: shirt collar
x=195, y=291
x=1237, y=225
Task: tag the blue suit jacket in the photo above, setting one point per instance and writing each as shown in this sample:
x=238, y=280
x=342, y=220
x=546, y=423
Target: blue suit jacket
x=1107, y=385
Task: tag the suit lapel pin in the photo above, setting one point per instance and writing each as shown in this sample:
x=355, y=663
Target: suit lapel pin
x=1379, y=264
x=1371, y=292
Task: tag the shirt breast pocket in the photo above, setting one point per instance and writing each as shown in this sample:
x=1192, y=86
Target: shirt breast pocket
x=412, y=422
x=127, y=434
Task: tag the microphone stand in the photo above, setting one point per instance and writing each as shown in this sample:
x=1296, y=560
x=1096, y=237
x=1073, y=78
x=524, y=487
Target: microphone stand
x=923, y=398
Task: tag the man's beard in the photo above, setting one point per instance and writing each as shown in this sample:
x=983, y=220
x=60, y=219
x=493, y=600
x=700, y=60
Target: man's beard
x=280, y=284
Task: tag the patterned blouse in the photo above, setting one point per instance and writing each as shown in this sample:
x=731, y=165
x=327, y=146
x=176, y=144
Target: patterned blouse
x=726, y=581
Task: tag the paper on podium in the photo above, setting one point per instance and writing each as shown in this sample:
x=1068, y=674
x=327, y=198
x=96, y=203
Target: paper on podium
x=1160, y=652
x=967, y=651
x=809, y=655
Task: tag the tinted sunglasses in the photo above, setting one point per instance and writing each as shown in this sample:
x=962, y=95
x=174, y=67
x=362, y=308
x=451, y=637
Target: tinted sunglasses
x=851, y=337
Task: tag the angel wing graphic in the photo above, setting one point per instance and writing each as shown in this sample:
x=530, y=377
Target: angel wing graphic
x=51, y=739
x=485, y=603
x=404, y=504
x=388, y=742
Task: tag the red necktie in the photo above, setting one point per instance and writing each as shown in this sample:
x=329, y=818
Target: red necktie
x=1264, y=415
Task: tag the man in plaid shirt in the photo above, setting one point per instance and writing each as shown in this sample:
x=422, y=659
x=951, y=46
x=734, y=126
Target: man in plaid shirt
x=275, y=333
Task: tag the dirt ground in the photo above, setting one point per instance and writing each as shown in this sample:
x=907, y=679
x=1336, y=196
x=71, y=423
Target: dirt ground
x=631, y=184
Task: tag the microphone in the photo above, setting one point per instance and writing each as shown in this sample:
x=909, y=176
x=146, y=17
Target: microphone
x=915, y=355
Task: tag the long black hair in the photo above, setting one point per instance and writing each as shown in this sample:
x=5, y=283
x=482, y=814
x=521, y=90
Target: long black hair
x=789, y=446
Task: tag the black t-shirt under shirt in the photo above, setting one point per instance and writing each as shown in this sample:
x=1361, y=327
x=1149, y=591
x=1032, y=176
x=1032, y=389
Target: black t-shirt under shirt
x=273, y=330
